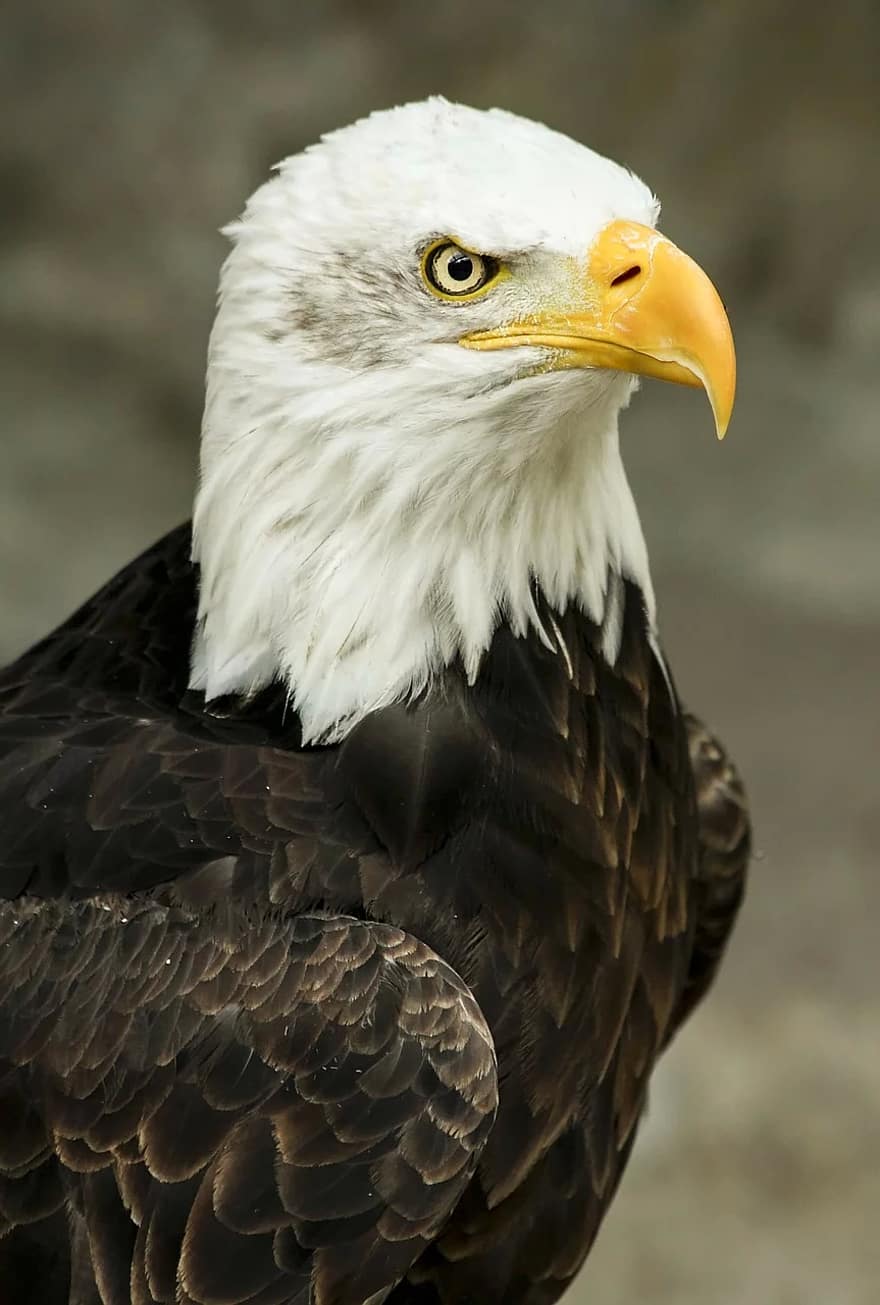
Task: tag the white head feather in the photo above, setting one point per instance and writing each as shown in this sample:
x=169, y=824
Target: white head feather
x=375, y=498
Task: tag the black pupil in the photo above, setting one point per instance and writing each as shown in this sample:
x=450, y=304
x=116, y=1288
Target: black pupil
x=460, y=267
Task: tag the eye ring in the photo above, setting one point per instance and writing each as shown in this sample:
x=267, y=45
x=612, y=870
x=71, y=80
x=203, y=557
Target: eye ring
x=453, y=272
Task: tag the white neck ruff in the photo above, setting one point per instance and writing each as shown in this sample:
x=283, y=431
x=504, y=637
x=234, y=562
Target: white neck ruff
x=356, y=534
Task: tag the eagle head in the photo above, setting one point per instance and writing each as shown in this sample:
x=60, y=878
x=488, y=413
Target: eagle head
x=427, y=327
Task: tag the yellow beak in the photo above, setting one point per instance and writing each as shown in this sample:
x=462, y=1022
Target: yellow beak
x=639, y=305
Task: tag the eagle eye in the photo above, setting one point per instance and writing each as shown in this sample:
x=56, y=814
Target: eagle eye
x=456, y=273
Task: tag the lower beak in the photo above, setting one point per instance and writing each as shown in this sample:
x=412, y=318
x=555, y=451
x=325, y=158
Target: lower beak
x=641, y=306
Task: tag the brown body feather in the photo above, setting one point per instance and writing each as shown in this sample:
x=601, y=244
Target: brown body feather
x=285, y=1025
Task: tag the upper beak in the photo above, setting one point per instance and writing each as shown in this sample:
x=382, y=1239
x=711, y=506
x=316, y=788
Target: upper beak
x=640, y=305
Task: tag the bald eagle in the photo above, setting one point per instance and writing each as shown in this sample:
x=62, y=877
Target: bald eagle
x=357, y=858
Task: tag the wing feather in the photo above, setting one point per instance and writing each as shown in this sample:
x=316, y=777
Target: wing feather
x=725, y=850
x=240, y=1153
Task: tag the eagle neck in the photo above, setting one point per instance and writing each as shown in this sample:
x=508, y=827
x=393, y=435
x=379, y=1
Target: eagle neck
x=355, y=579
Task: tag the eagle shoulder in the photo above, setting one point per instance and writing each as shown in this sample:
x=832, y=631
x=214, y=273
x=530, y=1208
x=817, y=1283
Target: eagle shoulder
x=262, y=1104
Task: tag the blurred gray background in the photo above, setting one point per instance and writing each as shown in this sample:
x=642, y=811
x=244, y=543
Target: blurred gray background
x=130, y=132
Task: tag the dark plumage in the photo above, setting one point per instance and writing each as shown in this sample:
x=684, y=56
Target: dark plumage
x=247, y=988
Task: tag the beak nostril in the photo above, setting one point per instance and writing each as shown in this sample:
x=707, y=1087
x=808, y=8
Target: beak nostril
x=628, y=275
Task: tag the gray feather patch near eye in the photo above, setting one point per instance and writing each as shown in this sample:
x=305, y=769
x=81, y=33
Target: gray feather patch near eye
x=353, y=311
